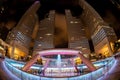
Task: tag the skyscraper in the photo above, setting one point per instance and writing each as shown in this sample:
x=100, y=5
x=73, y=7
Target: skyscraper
x=20, y=37
x=45, y=34
x=101, y=34
x=88, y=25
x=76, y=33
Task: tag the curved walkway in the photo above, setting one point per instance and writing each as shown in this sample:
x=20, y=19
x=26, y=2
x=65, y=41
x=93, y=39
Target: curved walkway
x=5, y=74
x=114, y=72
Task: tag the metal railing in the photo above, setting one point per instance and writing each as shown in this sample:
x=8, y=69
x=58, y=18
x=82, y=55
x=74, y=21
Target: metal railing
x=90, y=76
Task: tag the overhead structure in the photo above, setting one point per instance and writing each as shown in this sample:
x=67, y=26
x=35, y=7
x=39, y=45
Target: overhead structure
x=59, y=61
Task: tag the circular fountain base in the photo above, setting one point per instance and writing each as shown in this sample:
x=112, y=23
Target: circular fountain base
x=63, y=72
x=59, y=62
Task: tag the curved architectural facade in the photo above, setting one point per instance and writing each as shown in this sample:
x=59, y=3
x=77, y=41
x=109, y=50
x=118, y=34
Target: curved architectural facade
x=101, y=34
x=20, y=37
x=45, y=34
x=77, y=38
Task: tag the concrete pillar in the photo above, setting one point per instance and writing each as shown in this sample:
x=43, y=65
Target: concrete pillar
x=87, y=62
x=45, y=67
x=31, y=62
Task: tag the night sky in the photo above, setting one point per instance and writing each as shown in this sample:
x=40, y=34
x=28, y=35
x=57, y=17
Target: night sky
x=12, y=10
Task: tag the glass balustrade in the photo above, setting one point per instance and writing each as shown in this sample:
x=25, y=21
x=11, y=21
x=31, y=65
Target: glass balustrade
x=89, y=76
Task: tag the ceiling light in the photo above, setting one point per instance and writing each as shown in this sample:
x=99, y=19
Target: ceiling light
x=78, y=47
x=48, y=34
x=76, y=21
x=39, y=45
x=84, y=48
x=41, y=37
x=71, y=22
x=83, y=29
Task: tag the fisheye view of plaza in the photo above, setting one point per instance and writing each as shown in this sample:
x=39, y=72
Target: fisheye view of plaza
x=59, y=39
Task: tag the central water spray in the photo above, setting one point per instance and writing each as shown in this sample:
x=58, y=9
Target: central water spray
x=58, y=62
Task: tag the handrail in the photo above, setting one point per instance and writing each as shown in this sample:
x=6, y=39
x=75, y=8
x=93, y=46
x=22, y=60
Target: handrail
x=19, y=73
x=11, y=61
x=79, y=66
x=90, y=76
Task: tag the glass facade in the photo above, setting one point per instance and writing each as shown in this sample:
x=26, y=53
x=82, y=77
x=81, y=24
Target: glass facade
x=45, y=34
x=20, y=36
x=76, y=33
x=98, y=30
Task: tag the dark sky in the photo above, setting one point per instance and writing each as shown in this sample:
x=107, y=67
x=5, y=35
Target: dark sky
x=59, y=6
x=101, y=6
x=12, y=10
x=109, y=11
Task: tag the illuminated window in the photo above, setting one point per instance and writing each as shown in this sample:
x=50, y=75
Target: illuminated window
x=76, y=22
x=48, y=34
x=71, y=22
x=72, y=38
x=39, y=45
x=41, y=37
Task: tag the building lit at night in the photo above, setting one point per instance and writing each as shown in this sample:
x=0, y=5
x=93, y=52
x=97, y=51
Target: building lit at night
x=33, y=51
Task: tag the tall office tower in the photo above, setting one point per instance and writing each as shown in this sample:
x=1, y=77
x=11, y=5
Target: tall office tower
x=76, y=33
x=45, y=35
x=20, y=37
x=101, y=34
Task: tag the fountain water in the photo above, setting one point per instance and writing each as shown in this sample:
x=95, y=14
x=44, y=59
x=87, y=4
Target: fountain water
x=58, y=62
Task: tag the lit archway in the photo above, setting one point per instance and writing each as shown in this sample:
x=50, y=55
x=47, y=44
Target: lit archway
x=58, y=57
